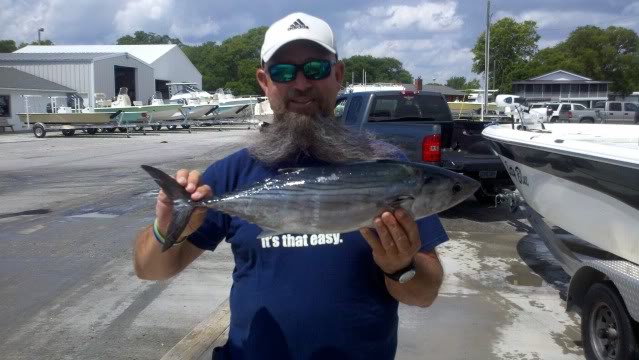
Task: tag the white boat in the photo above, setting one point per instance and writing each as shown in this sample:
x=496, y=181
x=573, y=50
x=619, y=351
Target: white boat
x=231, y=107
x=196, y=103
x=583, y=178
x=156, y=111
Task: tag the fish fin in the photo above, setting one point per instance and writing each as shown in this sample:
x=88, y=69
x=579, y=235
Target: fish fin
x=182, y=209
x=403, y=201
x=268, y=232
x=170, y=186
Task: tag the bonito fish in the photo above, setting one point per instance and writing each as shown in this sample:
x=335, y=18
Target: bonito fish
x=326, y=199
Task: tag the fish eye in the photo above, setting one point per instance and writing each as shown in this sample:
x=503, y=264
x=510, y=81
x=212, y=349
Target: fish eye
x=457, y=188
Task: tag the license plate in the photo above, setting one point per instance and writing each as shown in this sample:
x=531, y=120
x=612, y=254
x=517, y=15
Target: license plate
x=488, y=174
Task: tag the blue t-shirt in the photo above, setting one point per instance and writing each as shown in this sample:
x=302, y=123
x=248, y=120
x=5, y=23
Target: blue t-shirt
x=301, y=297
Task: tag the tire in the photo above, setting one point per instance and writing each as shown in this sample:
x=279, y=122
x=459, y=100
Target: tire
x=122, y=129
x=139, y=128
x=172, y=127
x=68, y=132
x=186, y=126
x=109, y=130
x=606, y=327
x=92, y=131
x=156, y=127
x=39, y=131
x=587, y=121
x=554, y=119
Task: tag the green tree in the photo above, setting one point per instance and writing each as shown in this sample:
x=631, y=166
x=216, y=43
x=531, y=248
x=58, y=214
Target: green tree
x=43, y=42
x=512, y=45
x=7, y=46
x=460, y=83
x=150, y=38
x=610, y=54
x=384, y=69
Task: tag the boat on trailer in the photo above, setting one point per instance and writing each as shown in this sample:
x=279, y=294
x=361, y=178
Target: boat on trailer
x=584, y=178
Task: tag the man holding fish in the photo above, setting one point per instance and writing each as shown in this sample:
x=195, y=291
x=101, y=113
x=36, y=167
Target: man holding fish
x=323, y=230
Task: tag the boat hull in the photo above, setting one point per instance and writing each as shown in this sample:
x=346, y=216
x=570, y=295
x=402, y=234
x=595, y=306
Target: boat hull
x=92, y=118
x=594, y=199
x=154, y=112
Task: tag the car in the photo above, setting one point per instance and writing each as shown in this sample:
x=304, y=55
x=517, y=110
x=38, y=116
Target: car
x=557, y=109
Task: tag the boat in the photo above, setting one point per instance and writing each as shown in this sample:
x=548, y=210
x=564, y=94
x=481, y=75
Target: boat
x=196, y=103
x=583, y=178
x=74, y=113
x=231, y=107
x=156, y=112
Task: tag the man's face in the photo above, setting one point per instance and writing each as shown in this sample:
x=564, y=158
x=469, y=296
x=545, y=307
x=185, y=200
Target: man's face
x=302, y=96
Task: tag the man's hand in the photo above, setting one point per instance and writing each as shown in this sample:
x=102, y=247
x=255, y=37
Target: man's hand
x=396, y=242
x=192, y=183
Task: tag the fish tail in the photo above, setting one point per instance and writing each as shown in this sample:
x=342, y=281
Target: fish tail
x=182, y=207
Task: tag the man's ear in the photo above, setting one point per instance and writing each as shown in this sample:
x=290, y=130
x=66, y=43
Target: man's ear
x=262, y=79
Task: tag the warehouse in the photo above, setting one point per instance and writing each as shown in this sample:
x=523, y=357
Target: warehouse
x=169, y=63
x=88, y=73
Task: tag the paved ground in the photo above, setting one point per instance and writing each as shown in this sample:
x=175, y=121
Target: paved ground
x=69, y=208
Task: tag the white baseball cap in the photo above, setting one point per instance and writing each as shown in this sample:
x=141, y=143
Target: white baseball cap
x=297, y=26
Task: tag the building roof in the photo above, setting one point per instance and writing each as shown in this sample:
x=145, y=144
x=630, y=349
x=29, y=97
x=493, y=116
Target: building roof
x=561, y=77
x=55, y=56
x=146, y=53
x=11, y=78
x=444, y=90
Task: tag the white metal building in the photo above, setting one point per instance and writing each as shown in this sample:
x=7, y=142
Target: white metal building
x=562, y=86
x=15, y=83
x=169, y=63
x=88, y=73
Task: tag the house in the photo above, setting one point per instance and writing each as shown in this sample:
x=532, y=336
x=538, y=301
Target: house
x=562, y=86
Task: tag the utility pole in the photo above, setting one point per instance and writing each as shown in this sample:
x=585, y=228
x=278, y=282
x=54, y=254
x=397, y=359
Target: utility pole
x=487, y=60
x=39, y=31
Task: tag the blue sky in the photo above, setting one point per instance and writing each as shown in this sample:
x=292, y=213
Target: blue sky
x=432, y=38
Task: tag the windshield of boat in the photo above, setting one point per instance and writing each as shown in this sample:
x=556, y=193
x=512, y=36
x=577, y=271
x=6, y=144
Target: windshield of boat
x=123, y=91
x=416, y=107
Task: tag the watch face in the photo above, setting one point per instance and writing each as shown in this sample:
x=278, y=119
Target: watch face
x=407, y=276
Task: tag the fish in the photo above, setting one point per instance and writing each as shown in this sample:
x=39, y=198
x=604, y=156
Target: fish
x=325, y=199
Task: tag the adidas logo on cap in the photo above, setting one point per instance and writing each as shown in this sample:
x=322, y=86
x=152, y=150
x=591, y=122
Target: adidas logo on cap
x=298, y=24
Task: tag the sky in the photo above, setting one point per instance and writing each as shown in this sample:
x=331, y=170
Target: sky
x=432, y=38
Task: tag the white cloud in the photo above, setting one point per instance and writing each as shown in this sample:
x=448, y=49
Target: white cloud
x=140, y=14
x=427, y=16
x=569, y=20
x=194, y=29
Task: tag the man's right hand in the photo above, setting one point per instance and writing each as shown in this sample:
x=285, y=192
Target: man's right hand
x=191, y=180
x=149, y=261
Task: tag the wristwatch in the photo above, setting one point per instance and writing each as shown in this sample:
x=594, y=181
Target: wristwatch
x=403, y=275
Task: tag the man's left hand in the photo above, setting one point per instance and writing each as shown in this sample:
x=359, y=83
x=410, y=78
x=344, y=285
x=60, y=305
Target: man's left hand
x=396, y=241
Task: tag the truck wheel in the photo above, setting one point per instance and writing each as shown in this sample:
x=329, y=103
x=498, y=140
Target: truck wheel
x=606, y=326
x=554, y=119
x=587, y=121
x=39, y=131
x=68, y=132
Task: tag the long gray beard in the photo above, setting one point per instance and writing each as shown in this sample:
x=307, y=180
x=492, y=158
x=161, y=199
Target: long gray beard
x=292, y=136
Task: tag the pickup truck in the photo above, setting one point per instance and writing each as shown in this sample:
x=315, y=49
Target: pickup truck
x=606, y=112
x=422, y=126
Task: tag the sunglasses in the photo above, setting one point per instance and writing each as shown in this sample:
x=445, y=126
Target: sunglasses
x=312, y=70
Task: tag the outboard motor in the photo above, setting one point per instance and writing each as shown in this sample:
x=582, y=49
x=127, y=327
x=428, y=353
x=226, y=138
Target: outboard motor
x=49, y=108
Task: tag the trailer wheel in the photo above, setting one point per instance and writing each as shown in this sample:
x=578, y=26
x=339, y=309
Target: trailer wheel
x=68, y=132
x=109, y=130
x=186, y=126
x=139, y=128
x=39, y=131
x=171, y=127
x=92, y=131
x=156, y=127
x=606, y=326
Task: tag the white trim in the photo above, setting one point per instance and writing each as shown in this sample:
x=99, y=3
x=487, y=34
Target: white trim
x=563, y=71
